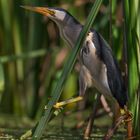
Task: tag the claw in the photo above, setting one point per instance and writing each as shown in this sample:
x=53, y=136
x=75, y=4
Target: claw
x=129, y=117
x=128, y=121
x=126, y=117
x=127, y=113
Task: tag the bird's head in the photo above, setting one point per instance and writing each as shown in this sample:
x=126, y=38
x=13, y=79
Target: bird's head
x=68, y=26
x=58, y=15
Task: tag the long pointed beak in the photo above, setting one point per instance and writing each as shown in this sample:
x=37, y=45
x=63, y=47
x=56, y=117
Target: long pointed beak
x=42, y=10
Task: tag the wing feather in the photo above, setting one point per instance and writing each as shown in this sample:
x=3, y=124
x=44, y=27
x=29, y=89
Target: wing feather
x=114, y=77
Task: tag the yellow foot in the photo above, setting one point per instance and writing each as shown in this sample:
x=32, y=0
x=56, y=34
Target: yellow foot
x=63, y=103
x=126, y=117
x=128, y=121
x=127, y=113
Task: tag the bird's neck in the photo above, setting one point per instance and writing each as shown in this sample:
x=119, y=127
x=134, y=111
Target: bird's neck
x=70, y=33
x=73, y=33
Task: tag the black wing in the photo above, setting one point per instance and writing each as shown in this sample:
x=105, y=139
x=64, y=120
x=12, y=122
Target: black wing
x=115, y=81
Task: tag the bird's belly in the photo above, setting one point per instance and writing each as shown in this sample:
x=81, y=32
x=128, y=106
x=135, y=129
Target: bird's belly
x=98, y=72
x=96, y=67
x=100, y=81
x=102, y=87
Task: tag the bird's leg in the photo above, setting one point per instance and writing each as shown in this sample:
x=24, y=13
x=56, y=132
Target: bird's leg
x=128, y=122
x=85, y=80
x=114, y=128
x=79, y=116
x=82, y=89
x=89, y=125
x=116, y=112
x=106, y=106
x=126, y=117
x=63, y=103
x=91, y=118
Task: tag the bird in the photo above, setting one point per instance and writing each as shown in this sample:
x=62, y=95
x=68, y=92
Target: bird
x=99, y=67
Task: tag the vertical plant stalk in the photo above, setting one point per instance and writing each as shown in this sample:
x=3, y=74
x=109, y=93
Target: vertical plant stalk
x=67, y=69
x=2, y=80
x=7, y=98
x=131, y=26
x=125, y=53
x=129, y=127
x=110, y=26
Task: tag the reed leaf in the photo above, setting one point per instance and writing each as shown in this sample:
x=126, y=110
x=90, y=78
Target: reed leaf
x=132, y=26
x=67, y=69
x=6, y=99
x=23, y=56
x=2, y=80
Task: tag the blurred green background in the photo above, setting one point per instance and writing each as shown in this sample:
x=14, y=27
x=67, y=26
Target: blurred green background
x=32, y=54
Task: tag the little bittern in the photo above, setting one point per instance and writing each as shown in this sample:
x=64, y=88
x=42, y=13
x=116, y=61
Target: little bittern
x=99, y=68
